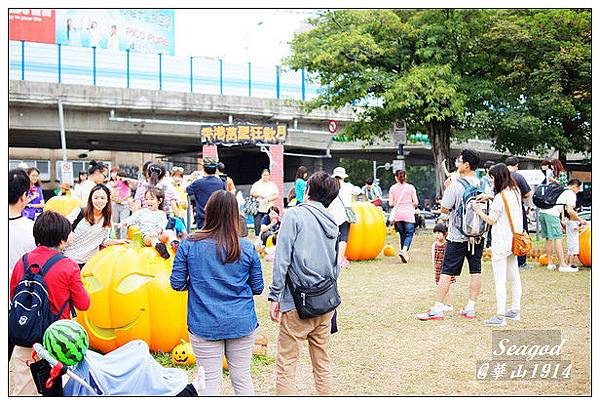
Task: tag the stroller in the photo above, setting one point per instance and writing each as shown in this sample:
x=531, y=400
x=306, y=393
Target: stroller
x=128, y=370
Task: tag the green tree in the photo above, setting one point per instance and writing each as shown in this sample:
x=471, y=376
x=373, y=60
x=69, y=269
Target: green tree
x=543, y=63
x=449, y=72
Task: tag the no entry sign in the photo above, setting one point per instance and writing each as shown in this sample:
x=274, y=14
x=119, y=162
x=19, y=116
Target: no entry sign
x=332, y=126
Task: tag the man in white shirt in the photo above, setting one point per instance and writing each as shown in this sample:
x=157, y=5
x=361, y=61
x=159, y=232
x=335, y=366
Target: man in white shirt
x=552, y=228
x=20, y=229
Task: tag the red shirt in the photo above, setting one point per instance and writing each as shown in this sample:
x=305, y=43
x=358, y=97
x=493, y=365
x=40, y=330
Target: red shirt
x=62, y=280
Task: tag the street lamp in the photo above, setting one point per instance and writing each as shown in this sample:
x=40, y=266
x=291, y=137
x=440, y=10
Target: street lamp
x=386, y=166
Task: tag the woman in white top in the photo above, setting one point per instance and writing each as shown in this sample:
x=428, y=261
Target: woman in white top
x=266, y=192
x=96, y=175
x=338, y=210
x=504, y=262
x=93, y=229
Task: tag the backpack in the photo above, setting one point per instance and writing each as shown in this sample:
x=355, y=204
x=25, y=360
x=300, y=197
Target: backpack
x=468, y=222
x=546, y=195
x=29, y=313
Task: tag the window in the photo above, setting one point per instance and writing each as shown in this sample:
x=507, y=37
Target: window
x=42, y=165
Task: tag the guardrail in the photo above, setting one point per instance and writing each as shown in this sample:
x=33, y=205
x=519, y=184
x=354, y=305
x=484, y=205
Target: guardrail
x=101, y=67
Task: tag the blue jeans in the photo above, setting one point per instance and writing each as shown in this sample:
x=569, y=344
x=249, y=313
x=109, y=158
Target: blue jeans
x=257, y=222
x=406, y=231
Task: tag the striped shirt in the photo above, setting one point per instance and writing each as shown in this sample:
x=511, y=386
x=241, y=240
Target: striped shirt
x=87, y=239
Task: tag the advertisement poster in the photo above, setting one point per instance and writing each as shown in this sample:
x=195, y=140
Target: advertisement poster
x=145, y=31
x=32, y=25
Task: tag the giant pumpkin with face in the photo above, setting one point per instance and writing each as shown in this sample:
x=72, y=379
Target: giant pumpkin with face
x=131, y=298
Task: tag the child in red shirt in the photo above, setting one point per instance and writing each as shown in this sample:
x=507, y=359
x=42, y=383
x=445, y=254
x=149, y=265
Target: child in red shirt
x=437, y=257
x=51, y=232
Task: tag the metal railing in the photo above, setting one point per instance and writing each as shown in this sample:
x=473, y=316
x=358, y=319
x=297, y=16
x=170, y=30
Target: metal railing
x=125, y=69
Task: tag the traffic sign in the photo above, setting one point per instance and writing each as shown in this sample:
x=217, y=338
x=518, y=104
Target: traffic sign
x=66, y=172
x=332, y=126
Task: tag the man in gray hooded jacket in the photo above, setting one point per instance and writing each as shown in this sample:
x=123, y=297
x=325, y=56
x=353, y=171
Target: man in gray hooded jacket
x=306, y=245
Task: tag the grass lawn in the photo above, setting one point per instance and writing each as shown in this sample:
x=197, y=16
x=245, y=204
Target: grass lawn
x=382, y=349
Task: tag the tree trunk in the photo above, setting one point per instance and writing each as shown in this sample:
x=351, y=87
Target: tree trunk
x=439, y=134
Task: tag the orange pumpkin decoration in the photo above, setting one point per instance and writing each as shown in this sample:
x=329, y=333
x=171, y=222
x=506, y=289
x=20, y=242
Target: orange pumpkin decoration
x=543, y=260
x=388, y=250
x=225, y=365
x=367, y=236
x=131, y=298
x=585, y=247
x=183, y=354
x=63, y=204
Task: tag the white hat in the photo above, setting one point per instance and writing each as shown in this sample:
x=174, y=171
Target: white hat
x=340, y=172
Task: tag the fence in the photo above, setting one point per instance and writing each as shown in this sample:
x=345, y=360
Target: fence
x=102, y=67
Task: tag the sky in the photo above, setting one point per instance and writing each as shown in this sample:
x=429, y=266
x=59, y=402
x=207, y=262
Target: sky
x=257, y=36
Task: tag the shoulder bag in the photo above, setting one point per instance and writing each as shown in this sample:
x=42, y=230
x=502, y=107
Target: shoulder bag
x=317, y=299
x=521, y=242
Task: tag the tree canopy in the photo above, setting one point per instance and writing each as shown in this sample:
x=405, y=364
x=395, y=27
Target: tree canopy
x=519, y=77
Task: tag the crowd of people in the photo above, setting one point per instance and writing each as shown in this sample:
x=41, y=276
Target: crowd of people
x=222, y=270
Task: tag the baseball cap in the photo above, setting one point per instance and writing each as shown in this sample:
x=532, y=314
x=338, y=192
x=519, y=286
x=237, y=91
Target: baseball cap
x=208, y=161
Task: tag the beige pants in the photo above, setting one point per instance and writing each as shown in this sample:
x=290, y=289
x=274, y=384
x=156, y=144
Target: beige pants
x=20, y=380
x=292, y=331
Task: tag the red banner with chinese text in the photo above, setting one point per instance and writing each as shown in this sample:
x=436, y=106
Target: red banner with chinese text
x=34, y=25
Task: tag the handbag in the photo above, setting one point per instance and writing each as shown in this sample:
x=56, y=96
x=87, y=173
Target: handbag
x=521, y=242
x=316, y=300
x=351, y=216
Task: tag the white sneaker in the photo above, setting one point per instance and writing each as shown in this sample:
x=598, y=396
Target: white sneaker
x=448, y=308
x=567, y=269
x=551, y=267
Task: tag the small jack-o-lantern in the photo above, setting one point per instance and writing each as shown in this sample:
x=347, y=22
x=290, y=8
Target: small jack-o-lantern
x=131, y=298
x=367, y=236
x=183, y=354
x=63, y=204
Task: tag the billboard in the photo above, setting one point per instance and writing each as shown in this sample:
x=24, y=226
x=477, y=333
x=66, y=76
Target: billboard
x=32, y=24
x=146, y=31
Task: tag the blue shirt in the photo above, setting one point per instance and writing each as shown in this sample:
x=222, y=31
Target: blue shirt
x=267, y=221
x=202, y=189
x=300, y=188
x=220, y=296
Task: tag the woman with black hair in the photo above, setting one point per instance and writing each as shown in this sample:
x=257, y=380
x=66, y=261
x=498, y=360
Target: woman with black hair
x=96, y=175
x=35, y=195
x=91, y=226
x=505, y=217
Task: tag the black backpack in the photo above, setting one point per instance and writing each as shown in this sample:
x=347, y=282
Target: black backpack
x=546, y=195
x=29, y=313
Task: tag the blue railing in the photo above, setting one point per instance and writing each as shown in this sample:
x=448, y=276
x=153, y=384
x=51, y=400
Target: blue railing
x=101, y=67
